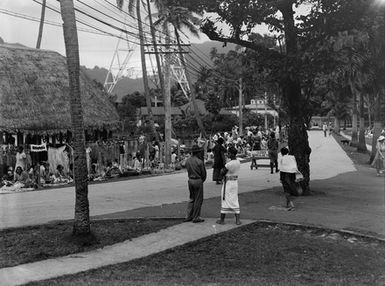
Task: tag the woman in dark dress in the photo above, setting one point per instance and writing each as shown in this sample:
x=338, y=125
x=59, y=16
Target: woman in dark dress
x=219, y=160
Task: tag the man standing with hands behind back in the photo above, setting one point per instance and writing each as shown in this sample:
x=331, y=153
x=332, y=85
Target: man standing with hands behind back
x=196, y=171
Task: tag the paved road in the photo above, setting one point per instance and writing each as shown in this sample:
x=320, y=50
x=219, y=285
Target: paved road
x=19, y=209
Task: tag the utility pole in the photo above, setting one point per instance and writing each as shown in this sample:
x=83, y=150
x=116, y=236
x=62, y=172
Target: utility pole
x=266, y=122
x=167, y=106
x=240, y=90
x=275, y=122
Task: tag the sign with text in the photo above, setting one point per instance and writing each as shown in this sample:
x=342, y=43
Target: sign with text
x=38, y=148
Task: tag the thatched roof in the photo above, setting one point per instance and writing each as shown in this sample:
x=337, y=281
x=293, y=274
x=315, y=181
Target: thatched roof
x=34, y=94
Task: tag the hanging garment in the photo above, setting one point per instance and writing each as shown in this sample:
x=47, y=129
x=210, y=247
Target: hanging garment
x=57, y=156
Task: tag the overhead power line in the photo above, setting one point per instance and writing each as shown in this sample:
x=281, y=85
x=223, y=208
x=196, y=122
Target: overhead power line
x=144, y=23
x=48, y=22
x=109, y=16
x=89, y=25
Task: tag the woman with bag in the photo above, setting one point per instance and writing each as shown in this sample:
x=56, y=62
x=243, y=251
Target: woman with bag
x=378, y=161
x=229, y=192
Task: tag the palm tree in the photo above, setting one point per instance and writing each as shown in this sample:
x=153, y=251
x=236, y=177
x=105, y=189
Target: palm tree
x=181, y=18
x=361, y=147
x=43, y=5
x=131, y=5
x=82, y=214
x=377, y=63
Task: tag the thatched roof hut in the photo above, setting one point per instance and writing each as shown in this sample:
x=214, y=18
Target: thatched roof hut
x=34, y=94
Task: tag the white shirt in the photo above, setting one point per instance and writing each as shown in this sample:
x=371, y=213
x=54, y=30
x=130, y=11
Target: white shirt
x=288, y=164
x=233, y=167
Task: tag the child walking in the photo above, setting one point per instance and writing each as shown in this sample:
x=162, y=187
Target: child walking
x=288, y=168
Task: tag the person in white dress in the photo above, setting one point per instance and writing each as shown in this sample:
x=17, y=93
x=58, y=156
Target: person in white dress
x=21, y=158
x=229, y=192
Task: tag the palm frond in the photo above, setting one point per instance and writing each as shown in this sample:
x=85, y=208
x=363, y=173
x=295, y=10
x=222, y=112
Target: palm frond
x=119, y=4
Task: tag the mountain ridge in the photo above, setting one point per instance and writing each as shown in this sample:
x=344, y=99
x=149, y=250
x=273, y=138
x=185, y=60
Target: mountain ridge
x=199, y=57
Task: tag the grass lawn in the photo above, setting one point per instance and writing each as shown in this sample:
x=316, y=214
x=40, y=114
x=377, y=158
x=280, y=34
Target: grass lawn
x=356, y=157
x=33, y=243
x=349, y=132
x=256, y=254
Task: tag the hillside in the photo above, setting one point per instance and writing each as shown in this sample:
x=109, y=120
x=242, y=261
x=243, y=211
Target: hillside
x=200, y=56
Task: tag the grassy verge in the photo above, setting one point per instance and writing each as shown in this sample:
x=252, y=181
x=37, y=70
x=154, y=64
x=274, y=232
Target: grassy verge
x=349, y=132
x=28, y=244
x=356, y=157
x=256, y=254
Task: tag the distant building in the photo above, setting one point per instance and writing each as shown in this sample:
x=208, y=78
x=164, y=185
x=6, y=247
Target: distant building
x=257, y=106
x=158, y=111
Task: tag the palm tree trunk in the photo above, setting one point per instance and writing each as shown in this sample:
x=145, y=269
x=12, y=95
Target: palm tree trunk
x=167, y=105
x=42, y=17
x=144, y=72
x=361, y=138
x=82, y=214
x=337, y=126
x=369, y=103
x=192, y=90
x=377, y=125
x=157, y=57
x=354, y=141
x=240, y=89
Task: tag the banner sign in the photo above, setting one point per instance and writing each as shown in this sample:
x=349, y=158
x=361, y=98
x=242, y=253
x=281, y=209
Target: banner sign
x=38, y=148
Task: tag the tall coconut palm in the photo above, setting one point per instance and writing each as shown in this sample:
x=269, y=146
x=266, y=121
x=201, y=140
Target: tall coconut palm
x=155, y=44
x=181, y=18
x=41, y=25
x=349, y=73
x=132, y=4
x=361, y=146
x=377, y=63
x=82, y=215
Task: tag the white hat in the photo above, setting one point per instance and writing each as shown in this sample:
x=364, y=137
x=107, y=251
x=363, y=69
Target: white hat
x=381, y=138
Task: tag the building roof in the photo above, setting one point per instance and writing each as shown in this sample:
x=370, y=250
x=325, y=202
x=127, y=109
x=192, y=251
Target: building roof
x=34, y=94
x=179, y=110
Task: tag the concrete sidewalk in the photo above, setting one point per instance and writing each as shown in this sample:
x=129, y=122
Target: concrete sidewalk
x=117, y=253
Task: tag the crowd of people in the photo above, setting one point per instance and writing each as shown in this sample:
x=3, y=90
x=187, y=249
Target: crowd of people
x=226, y=169
x=25, y=176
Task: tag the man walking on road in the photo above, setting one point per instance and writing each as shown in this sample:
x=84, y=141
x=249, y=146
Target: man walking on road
x=324, y=129
x=196, y=171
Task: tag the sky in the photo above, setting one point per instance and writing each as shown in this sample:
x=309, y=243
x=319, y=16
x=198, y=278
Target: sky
x=94, y=49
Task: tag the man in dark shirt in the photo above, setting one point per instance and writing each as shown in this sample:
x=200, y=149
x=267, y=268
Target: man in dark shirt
x=196, y=171
x=272, y=146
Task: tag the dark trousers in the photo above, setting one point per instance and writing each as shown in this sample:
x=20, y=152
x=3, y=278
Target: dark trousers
x=273, y=156
x=288, y=184
x=194, y=205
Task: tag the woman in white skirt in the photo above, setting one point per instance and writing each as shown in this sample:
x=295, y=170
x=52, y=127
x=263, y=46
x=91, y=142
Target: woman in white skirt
x=229, y=193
